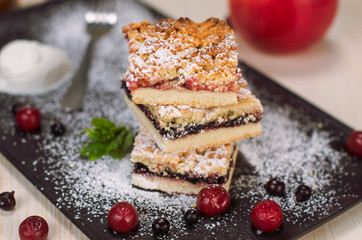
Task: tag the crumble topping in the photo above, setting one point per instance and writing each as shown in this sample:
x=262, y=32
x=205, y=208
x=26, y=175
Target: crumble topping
x=183, y=114
x=199, y=56
x=205, y=163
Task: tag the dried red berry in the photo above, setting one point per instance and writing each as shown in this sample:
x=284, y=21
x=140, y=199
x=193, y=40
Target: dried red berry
x=267, y=216
x=33, y=228
x=28, y=118
x=354, y=143
x=122, y=217
x=213, y=200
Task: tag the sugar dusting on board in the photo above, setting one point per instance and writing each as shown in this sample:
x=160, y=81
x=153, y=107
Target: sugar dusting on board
x=286, y=152
x=295, y=151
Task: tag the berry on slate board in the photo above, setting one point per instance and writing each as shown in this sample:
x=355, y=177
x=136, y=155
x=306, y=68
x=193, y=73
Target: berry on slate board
x=274, y=187
x=161, y=226
x=354, y=143
x=213, y=200
x=16, y=108
x=28, y=118
x=7, y=200
x=303, y=193
x=122, y=217
x=267, y=216
x=33, y=228
x=191, y=216
x=57, y=128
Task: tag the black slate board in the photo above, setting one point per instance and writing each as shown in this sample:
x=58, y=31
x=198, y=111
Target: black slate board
x=28, y=152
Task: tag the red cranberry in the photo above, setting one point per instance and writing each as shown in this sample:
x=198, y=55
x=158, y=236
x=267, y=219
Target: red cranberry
x=122, y=217
x=213, y=200
x=28, y=118
x=354, y=143
x=33, y=228
x=161, y=226
x=7, y=200
x=275, y=187
x=303, y=193
x=267, y=216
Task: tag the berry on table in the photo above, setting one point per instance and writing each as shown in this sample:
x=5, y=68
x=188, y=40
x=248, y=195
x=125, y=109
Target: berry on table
x=28, y=118
x=122, y=217
x=57, y=128
x=303, y=193
x=33, y=228
x=161, y=226
x=16, y=108
x=191, y=216
x=354, y=143
x=213, y=200
x=7, y=200
x=267, y=216
x=274, y=187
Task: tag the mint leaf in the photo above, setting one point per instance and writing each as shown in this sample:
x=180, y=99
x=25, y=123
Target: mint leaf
x=93, y=150
x=117, y=154
x=117, y=142
x=94, y=134
x=116, y=130
x=108, y=139
x=127, y=142
x=102, y=123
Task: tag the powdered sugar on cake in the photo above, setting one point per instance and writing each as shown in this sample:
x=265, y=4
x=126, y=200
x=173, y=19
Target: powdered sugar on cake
x=198, y=163
x=89, y=189
x=202, y=56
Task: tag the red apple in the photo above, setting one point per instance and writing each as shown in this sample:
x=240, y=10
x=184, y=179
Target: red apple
x=282, y=26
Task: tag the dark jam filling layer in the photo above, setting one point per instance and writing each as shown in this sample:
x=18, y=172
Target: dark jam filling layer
x=141, y=168
x=174, y=132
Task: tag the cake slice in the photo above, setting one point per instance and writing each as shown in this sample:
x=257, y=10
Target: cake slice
x=183, y=128
x=180, y=62
x=181, y=172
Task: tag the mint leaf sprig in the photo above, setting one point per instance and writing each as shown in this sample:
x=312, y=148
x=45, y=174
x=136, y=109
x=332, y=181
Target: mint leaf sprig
x=108, y=139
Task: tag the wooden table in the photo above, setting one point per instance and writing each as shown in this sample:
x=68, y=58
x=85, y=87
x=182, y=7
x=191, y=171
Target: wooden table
x=329, y=75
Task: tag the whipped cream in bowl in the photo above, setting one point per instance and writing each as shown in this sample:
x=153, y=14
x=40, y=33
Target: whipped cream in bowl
x=29, y=67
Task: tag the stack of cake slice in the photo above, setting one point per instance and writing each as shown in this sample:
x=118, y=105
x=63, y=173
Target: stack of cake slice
x=185, y=88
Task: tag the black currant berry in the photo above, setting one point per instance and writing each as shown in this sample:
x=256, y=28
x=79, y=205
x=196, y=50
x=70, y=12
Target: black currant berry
x=16, y=108
x=303, y=193
x=7, y=200
x=275, y=187
x=57, y=128
x=161, y=226
x=191, y=216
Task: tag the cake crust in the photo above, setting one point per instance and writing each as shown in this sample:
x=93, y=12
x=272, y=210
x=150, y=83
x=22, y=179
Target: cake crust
x=167, y=184
x=208, y=138
x=208, y=164
x=182, y=49
x=172, y=61
x=184, y=97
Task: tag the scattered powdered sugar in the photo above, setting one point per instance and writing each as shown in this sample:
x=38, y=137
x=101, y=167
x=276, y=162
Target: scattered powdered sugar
x=297, y=151
x=286, y=151
x=170, y=111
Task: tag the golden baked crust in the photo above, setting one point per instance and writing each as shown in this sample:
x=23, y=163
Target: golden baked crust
x=203, y=162
x=191, y=98
x=183, y=54
x=179, y=116
x=176, y=185
x=214, y=137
